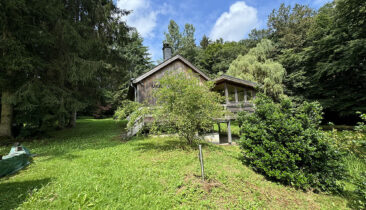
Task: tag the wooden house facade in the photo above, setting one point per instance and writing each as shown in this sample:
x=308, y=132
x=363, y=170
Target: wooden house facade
x=142, y=87
x=238, y=93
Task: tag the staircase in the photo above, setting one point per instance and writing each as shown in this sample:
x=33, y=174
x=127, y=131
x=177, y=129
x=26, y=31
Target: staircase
x=139, y=124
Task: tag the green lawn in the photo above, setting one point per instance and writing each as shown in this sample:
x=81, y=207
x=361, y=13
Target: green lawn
x=90, y=167
x=235, y=130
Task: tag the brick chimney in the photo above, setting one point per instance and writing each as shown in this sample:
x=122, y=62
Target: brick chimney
x=167, y=51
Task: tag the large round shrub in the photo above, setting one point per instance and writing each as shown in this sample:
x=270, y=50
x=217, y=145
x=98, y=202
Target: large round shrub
x=283, y=142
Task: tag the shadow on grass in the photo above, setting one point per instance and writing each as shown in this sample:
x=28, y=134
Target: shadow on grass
x=88, y=134
x=349, y=195
x=352, y=199
x=170, y=144
x=13, y=194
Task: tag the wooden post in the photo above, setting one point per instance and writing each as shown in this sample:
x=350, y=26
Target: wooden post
x=138, y=92
x=218, y=124
x=201, y=162
x=245, y=95
x=236, y=95
x=226, y=94
x=135, y=93
x=229, y=132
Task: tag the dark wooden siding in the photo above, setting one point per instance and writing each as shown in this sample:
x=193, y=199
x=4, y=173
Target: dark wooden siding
x=146, y=86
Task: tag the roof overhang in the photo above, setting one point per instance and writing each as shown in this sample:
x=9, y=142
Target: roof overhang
x=166, y=63
x=227, y=78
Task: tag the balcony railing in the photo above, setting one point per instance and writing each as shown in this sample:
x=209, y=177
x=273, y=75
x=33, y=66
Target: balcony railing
x=238, y=107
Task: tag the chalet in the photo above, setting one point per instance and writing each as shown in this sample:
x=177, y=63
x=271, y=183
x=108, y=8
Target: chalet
x=237, y=92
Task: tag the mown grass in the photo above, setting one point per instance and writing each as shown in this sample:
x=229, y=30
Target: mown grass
x=91, y=167
x=235, y=130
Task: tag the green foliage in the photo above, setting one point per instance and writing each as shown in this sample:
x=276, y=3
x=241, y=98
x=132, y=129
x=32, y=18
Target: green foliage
x=205, y=41
x=182, y=43
x=361, y=126
x=288, y=25
x=353, y=142
x=215, y=58
x=328, y=67
x=257, y=66
x=81, y=168
x=211, y=57
x=186, y=104
x=350, y=142
x=189, y=49
x=173, y=37
x=284, y=143
x=360, y=201
x=80, y=55
x=130, y=61
x=127, y=107
x=258, y=35
x=132, y=112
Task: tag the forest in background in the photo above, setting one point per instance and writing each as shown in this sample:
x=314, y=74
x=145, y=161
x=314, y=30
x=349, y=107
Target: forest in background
x=63, y=58
x=305, y=54
x=76, y=57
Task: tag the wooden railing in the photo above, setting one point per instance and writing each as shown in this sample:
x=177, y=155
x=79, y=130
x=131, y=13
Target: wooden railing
x=238, y=107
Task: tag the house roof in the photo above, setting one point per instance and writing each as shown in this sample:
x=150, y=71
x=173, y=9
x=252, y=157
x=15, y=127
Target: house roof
x=167, y=62
x=225, y=77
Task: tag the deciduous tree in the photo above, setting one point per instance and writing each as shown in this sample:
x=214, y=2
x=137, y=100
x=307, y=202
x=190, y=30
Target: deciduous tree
x=257, y=66
x=186, y=105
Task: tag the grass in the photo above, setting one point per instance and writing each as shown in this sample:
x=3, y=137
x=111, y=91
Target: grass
x=91, y=167
x=235, y=130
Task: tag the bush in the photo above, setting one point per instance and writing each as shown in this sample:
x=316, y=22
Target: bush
x=185, y=105
x=352, y=142
x=360, y=201
x=126, y=109
x=284, y=143
x=361, y=126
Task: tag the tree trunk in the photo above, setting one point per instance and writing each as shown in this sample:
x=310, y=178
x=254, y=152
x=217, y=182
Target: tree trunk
x=6, y=114
x=72, y=123
x=61, y=115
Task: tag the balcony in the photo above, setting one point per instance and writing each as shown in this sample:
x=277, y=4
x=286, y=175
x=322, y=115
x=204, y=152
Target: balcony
x=239, y=107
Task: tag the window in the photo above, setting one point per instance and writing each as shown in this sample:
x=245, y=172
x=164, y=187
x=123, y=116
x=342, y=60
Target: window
x=240, y=94
x=249, y=95
x=231, y=92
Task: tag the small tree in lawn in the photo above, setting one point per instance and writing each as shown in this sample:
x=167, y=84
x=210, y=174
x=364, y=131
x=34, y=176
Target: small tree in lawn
x=185, y=105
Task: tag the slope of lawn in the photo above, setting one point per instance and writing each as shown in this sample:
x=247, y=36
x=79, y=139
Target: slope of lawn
x=91, y=167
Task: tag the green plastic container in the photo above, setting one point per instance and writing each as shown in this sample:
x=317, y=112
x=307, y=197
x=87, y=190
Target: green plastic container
x=18, y=158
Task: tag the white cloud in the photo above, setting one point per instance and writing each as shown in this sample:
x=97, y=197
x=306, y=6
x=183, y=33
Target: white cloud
x=235, y=24
x=143, y=17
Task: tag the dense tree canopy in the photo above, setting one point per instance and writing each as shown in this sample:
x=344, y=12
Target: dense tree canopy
x=59, y=57
x=335, y=59
x=257, y=66
x=316, y=55
x=330, y=64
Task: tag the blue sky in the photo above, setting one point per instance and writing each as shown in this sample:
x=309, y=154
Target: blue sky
x=232, y=20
